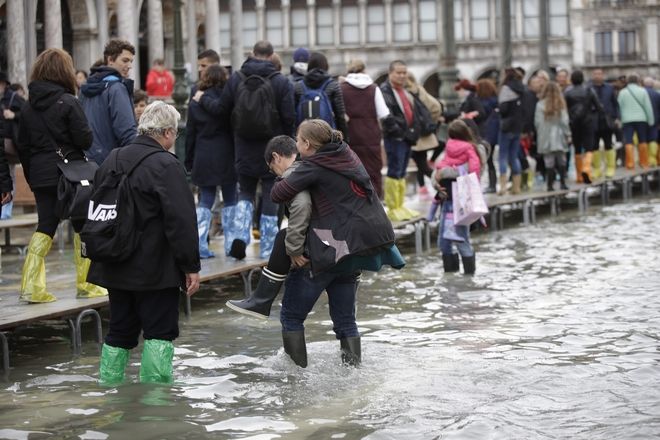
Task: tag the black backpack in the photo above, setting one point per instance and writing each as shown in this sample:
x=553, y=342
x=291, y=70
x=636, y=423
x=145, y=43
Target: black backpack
x=110, y=233
x=255, y=115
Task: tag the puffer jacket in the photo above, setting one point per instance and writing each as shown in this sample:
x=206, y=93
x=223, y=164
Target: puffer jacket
x=459, y=152
x=313, y=80
x=66, y=127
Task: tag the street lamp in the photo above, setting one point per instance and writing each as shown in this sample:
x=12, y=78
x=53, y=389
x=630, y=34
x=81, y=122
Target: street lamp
x=180, y=94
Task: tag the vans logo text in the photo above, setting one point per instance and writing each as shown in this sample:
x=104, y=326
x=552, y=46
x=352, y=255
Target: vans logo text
x=102, y=212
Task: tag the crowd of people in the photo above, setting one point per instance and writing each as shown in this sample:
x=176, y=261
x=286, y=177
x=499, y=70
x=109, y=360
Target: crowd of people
x=308, y=146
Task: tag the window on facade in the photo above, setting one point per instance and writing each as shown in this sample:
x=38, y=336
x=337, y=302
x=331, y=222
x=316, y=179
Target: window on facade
x=627, y=50
x=458, y=20
x=225, y=31
x=249, y=28
x=324, y=32
x=350, y=25
x=604, y=47
x=558, y=16
x=479, y=25
x=401, y=22
x=376, y=23
x=428, y=20
x=274, y=27
x=299, y=27
x=498, y=19
x=531, y=18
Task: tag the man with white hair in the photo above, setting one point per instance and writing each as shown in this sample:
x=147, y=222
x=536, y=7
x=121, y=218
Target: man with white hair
x=654, y=129
x=144, y=288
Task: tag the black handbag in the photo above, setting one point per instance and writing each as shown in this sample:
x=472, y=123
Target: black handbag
x=74, y=188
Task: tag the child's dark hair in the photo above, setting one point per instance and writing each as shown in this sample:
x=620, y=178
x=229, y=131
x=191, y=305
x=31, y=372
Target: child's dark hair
x=140, y=95
x=283, y=145
x=459, y=130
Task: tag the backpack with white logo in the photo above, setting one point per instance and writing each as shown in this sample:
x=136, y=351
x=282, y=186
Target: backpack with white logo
x=315, y=104
x=110, y=232
x=255, y=115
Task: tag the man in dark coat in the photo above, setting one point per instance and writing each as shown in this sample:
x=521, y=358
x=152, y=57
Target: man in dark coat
x=606, y=124
x=144, y=289
x=250, y=165
x=107, y=99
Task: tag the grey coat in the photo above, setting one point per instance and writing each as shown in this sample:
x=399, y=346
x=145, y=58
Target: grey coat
x=551, y=135
x=300, y=211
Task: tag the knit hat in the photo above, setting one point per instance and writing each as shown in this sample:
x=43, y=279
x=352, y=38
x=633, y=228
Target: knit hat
x=301, y=55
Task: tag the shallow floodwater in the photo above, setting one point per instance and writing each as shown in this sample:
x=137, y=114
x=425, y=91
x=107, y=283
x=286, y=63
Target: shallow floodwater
x=556, y=337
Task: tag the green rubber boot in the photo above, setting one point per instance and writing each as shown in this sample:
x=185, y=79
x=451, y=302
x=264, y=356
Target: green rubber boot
x=33, y=279
x=113, y=364
x=156, y=364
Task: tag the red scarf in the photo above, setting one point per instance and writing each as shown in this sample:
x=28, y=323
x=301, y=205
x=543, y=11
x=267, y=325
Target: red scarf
x=407, y=108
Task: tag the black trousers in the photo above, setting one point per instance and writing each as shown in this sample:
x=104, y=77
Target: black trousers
x=46, y=199
x=423, y=169
x=155, y=313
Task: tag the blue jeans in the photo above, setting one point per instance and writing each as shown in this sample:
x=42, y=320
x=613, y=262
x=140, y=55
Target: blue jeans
x=509, y=150
x=447, y=246
x=398, y=155
x=207, y=195
x=630, y=128
x=302, y=291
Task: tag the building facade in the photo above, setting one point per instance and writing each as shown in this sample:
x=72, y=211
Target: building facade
x=618, y=35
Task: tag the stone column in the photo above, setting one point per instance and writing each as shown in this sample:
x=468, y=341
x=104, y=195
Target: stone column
x=362, y=5
x=414, y=17
x=286, y=24
x=191, y=46
x=30, y=33
x=127, y=30
x=236, y=19
x=155, y=20
x=102, y=24
x=336, y=25
x=311, y=23
x=505, y=37
x=448, y=72
x=212, y=25
x=17, y=69
x=53, y=23
x=260, y=9
x=388, y=21
x=544, y=59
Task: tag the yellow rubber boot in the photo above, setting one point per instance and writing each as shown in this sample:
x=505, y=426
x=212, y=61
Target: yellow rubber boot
x=653, y=154
x=406, y=212
x=586, y=167
x=578, y=168
x=610, y=160
x=643, y=155
x=33, y=279
x=84, y=289
x=630, y=156
x=392, y=199
x=597, y=163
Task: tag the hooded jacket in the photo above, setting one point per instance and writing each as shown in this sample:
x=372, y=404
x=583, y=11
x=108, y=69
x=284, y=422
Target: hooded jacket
x=65, y=127
x=315, y=79
x=458, y=152
x=249, y=154
x=107, y=99
x=511, y=108
x=347, y=216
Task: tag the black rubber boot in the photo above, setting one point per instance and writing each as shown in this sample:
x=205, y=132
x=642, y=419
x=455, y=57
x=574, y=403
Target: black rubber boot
x=238, y=249
x=259, y=303
x=469, y=265
x=550, y=178
x=450, y=263
x=562, y=177
x=351, y=351
x=294, y=346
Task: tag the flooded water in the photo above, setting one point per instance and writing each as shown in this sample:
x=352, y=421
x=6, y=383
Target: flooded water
x=556, y=337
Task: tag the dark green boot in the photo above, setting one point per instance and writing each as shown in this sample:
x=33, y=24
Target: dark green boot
x=156, y=366
x=450, y=263
x=351, y=351
x=294, y=346
x=113, y=364
x=469, y=265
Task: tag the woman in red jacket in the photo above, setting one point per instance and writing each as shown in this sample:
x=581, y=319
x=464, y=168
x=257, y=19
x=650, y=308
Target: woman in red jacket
x=160, y=82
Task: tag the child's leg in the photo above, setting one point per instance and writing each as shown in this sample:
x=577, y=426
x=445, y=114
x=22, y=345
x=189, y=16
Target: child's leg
x=258, y=304
x=450, y=261
x=466, y=250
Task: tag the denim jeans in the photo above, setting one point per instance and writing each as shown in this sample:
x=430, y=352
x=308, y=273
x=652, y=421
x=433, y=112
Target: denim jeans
x=447, y=246
x=509, y=149
x=302, y=291
x=398, y=156
x=207, y=195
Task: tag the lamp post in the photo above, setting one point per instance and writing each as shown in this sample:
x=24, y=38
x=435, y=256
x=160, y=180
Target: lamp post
x=448, y=73
x=180, y=94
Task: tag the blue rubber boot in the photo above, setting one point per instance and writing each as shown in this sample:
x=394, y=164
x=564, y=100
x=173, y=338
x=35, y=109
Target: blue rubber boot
x=268, y=230
x=241, y=227
x=203, y=226
x=230, y=235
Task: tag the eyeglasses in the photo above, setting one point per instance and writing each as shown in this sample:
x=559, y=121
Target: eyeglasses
x=176, y=133
x=270, y=168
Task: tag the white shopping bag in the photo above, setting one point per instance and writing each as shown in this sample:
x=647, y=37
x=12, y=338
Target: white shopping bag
x=468, y=201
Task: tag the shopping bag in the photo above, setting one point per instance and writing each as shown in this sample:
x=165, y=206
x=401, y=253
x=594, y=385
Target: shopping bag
x=468, y=200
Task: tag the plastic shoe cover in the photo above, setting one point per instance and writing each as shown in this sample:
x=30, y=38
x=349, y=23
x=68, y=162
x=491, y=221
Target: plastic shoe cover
x=156, y=366
x=268, y=230
x=406, y=213
x=113, y=365
x=610, y=159
x=241, y=224
x=84, y=289
x=203, y=227
x=33, y=279
x=230, y=235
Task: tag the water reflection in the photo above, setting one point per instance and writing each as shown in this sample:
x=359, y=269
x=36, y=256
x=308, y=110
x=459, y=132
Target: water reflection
x=556, y=337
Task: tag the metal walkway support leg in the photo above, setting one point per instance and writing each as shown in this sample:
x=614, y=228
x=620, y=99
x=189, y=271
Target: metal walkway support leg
x=99, y=332
x=187, y=307
x=604, y=193
x=581, y=198
x=493, y=218
x=5, y=356
x=646, y=187
x=427, y=236
x=526, y=211
x=554, y=209
x=418, y=238
x=247, y=280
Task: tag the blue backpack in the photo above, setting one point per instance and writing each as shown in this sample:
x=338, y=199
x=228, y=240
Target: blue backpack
x=315, y=104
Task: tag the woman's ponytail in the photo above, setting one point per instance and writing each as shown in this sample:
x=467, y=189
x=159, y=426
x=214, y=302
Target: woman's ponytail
x=336, y=136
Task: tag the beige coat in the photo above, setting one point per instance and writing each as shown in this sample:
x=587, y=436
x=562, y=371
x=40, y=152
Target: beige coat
x=430, y=141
